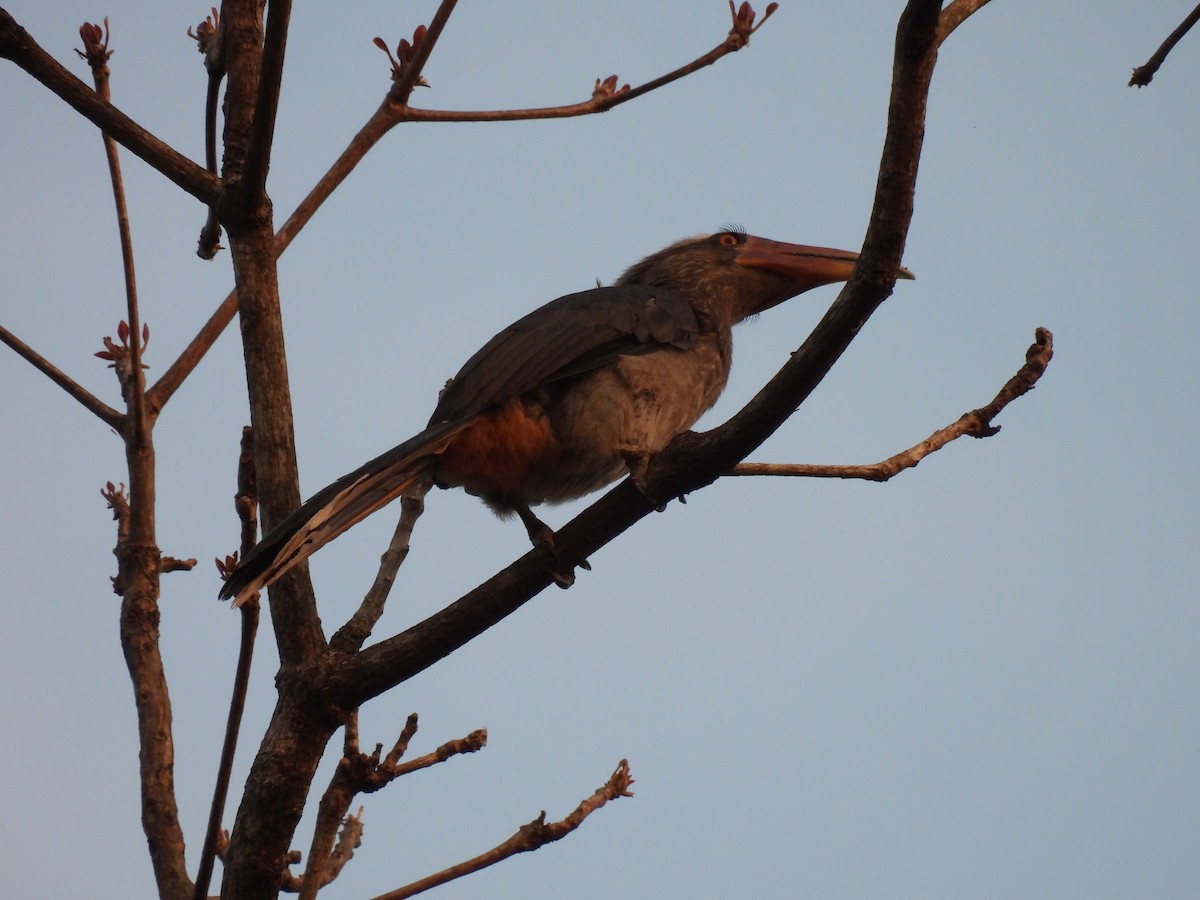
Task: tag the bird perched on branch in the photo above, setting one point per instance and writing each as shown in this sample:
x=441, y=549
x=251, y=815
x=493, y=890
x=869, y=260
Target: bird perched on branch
x=571, y=397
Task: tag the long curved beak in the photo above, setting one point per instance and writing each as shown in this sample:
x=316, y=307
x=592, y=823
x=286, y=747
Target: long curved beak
x=808, y=267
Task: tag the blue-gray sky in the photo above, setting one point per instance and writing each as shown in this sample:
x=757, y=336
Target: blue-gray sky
x=977, y=680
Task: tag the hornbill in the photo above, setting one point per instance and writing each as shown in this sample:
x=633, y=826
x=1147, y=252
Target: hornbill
x=571, y=397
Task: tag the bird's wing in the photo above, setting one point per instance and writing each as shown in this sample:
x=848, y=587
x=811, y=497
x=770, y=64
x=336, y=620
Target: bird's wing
x=568, y=336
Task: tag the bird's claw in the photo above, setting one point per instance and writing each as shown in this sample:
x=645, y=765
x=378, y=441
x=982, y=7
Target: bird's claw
x=542, y=536
x=563, y=575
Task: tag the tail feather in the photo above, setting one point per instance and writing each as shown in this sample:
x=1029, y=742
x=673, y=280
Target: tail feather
x=336, y=508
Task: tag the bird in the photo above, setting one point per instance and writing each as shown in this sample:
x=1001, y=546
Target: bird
x=573, y=396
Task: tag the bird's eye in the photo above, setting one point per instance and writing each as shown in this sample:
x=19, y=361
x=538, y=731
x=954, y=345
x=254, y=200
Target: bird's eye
x=729, y=239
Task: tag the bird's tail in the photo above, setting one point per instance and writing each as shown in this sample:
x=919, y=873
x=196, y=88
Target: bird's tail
x=331, y=511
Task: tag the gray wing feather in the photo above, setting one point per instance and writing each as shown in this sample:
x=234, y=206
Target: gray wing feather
x=566, y=337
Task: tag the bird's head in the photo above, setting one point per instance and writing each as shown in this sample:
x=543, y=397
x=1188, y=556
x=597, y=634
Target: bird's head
x=735, y=275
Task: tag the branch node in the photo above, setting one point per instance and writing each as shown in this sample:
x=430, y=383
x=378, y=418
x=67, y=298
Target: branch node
x=743, y=23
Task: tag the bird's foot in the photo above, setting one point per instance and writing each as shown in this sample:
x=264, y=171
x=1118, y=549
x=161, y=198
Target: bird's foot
x=638, y=464
x=541, y=536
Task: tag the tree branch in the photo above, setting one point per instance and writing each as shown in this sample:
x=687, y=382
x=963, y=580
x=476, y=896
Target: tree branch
x=350, y=637
x=138, y=419
x=528, y=837
x=246, y=504
x=977, y=423
x=90, y=401
x=358, y=773
x=139, y=561
x=606, y=94
x=17, y=45
x=1143, y=75
x=266, y=104
x=302, y=722
x=410, y=77
x=955, y=14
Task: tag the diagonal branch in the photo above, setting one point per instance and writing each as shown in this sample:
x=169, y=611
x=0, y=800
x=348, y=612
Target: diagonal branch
x=1143, y=75
x=17, y=45
x=531, y=836
x=955, y=13
x=350, y=637
x=90, y=401
x=976, y=423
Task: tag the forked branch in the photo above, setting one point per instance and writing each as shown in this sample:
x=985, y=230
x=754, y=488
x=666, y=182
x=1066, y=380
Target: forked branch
x=358, y=772
x=531, y=836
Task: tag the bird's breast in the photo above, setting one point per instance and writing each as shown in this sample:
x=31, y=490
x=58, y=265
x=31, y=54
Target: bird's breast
x=565, y=440
x=627, y=410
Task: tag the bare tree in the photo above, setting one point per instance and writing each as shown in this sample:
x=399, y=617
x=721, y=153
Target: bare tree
x=323, y=681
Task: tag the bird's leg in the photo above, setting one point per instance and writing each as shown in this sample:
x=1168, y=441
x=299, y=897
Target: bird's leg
x=638, y=463
x=542, y=535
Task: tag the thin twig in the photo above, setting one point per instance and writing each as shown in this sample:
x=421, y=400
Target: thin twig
x=976, y=423
x=90, y=401
x=955, y=14
x=246, y=504
x=528, y=837
x=208, y=37
x=1143, y=75
x=350, y=637
x=403, y=88
x=391, y=769
x=356, y=773
x=606, y=95
x=139, y=420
